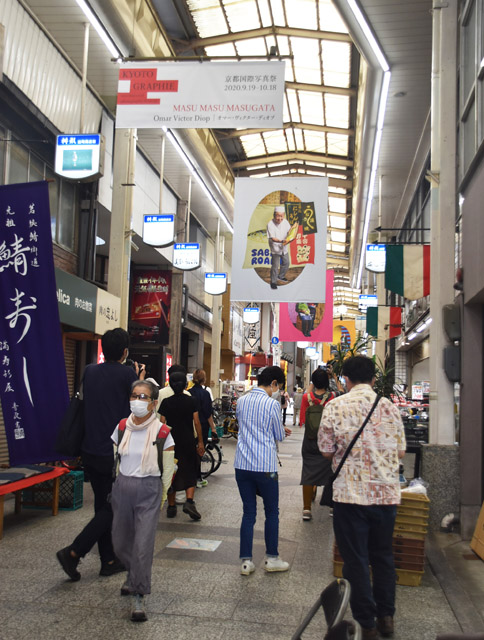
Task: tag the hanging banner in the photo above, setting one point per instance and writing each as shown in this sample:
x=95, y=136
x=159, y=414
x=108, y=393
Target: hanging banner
x=384, y=322
x=375, y=258
x=215, y=283
x=280, y=228
x=150, y=306
x=208, y=95
x=312, y=320
x=33, y=387
x=407, y=270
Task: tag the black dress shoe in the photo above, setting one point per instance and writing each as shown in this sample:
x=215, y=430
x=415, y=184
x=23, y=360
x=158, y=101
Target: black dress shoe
x=110, y=568
x=273, y=286
x=190, y=508
x=171, y=511
x=69, y=563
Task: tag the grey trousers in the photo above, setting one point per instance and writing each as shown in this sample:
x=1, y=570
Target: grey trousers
x=136, y=509
x=279, y=262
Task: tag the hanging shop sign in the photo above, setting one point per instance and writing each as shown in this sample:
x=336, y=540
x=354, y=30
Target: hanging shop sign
x=186, y=256
x=158, y=229
x=108, y=312
x=251, y=315
x=193, y=95
x=150, y=306
x=417, y=392
x=251, y=336
x=310, y=352
x=80, y=156
x=237, y=331
x=365, y=301
x=280, y=233
x=375, y=257
x=33, y=387
x=215, y=283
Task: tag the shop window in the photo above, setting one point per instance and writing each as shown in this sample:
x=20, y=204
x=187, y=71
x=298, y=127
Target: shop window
x=18, y=163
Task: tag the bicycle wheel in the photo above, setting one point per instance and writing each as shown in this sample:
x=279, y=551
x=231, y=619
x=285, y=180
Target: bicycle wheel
x=206, y=463
x=217, y=454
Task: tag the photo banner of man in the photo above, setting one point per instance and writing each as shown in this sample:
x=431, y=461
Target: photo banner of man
x=280, y=228
x=308, y=320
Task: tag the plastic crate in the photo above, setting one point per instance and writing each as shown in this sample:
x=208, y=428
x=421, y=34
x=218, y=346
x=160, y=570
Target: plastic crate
x=412, y=510
x=71, y=490
x=420, y=520
x=409, y=578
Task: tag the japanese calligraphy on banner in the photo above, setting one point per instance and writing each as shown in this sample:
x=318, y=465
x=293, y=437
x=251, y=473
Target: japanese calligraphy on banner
x=311, y=320
x=191, y=95
x=33, y=382
x=150, y=306
x=280, y=230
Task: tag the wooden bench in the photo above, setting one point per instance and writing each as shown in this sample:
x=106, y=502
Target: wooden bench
x=16, y=487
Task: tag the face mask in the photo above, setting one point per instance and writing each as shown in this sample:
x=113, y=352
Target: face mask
x=276, y=394
x=139, y=408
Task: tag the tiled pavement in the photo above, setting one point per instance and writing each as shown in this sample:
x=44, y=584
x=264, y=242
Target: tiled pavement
x=196, y=594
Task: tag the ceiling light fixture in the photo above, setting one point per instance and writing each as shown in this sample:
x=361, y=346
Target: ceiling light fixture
x=100, y=29
x=412, y=335
x=171, y=137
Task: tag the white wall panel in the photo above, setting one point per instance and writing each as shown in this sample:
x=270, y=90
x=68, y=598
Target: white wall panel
x=37, y=67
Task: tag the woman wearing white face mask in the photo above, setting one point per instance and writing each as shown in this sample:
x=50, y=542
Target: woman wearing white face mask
x=146, y=452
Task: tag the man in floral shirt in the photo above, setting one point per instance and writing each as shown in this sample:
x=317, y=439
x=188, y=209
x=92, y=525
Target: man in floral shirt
x=366, y=492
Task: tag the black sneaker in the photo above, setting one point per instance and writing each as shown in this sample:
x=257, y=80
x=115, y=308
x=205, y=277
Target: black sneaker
x=273, y=286
x=110, y=568
x=285, y=280
x=68, y=563
x=138, y=614
x=171, y=511
x=190, y=508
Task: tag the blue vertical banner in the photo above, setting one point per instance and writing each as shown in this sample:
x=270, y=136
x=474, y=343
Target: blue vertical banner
x=33, y=381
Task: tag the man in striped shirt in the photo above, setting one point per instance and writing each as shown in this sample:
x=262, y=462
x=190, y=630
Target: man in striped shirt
x=260, y=426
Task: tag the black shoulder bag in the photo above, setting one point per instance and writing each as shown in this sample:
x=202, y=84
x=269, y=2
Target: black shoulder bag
x=71, y=430
x=327, y=497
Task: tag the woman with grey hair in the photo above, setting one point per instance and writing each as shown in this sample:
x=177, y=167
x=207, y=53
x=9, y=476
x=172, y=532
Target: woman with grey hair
x=145, y=453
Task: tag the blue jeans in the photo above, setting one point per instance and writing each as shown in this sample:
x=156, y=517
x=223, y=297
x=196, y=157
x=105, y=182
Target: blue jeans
x=267, y=485
x=364, y=537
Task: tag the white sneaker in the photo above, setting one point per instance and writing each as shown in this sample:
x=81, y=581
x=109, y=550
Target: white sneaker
x=180, y=497
x=202, y=483
x=307, y=515
x=247, y=567
x=275, y=564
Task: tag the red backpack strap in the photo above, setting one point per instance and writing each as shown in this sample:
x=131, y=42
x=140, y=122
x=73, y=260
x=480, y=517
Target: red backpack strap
x=121, y=429
x=164, y=432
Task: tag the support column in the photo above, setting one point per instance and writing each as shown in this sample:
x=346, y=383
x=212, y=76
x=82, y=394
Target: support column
x=176, y=306
x=120, y=234
x=217, y=318
x=440, y=458
x=443, y=200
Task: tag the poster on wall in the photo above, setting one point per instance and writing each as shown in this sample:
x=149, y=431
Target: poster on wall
x=208, y=95
x=30, y=329
x=311, y=320
x=280, y=228
x=150, y=306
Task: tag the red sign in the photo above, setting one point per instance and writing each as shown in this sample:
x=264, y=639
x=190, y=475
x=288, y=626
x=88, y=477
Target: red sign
x=141, y=83
x=100, y=354
x=169, y=362
x=150, y=306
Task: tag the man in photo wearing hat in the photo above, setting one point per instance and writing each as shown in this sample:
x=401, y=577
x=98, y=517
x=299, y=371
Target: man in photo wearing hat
x=277, y=230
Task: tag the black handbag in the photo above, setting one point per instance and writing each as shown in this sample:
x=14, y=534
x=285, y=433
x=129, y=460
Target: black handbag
x=71, y=430
x=327, y=495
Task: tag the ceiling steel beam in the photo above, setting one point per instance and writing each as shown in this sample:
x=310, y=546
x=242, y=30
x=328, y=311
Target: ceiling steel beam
x=194, y=43
x=337, y=183
x=321, y=88
x=292, y=155
x=237, y=133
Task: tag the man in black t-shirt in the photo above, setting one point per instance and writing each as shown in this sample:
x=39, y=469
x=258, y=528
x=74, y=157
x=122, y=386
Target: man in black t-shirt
x=106, y=389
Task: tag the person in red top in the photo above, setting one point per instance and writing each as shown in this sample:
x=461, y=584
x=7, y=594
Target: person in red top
x=315, y=470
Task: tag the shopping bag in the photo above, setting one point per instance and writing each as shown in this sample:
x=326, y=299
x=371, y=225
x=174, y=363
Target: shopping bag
x=327, y=495
x=71, y=431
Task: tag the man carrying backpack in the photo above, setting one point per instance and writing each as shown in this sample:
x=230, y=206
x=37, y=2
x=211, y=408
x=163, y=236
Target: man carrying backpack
x=315, y=470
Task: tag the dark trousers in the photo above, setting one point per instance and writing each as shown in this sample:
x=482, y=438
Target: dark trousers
x=99, y=470
x=266, y=485
x=364, y=537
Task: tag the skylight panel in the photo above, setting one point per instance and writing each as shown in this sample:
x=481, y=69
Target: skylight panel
x=208, y=17
x=337, y=111
x=302, y=13
x=338, y=236
x=315, y=141
x=252, y=47
x=311, y=107
x=227, y=49
x=336, y=59
x=253, y=146
x=293, y=105
x=329, y=18
x=336, y=222
x=265, y=13
x=275, y=142
x=306, y=60
x=338, y=205
x=337, y=144
x=278, y=12
x=242, y=14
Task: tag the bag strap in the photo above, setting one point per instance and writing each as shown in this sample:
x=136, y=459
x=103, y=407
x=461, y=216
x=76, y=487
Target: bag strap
x=310, y=401
x=352, y=443
x=121, y=429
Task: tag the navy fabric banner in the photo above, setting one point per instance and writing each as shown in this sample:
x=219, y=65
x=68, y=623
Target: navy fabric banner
x=33, y=382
